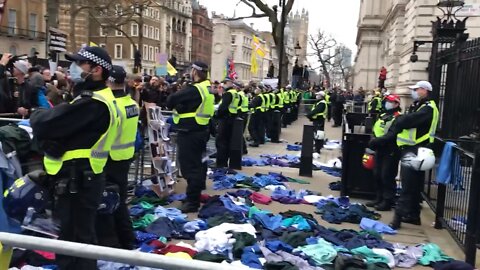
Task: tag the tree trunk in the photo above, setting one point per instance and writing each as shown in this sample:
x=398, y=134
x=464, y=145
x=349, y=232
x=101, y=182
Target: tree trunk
x=283, y=64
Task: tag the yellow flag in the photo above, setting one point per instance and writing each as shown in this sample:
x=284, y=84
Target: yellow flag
x=171, y=70
x=254, y=67
x=93, y=44
x=257, y=46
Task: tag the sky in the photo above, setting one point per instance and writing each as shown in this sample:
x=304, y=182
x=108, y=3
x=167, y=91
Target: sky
x=336, y=17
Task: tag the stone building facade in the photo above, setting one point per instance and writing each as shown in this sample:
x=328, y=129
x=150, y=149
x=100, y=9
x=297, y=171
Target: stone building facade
x=386, y=32
x=23, y=27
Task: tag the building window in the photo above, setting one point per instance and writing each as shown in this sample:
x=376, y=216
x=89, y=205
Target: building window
x=103, y=31
x=151, y=54
x=132, y=50
x=102, y=45
x=184, y=28
x=119, y=33
x=157, y=51
x=174, y=24
x=32, y=25
x=152, y=32
x=145, y=30
x=134, y=30
x=118, y=10
x=145, y=52
x=118, y=51
x=233, y=39
x=157, y=33
x=12, y=21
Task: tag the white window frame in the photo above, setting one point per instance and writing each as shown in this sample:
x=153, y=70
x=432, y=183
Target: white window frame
x=132, y=32
x=145, y=52
x=145, y=30
x=101, y=31
x=118, y=33
x=132, y=51
x=157, y=33
x=115, y=51
x=151, y=53
x=102, y=45
x=118, y=10
x=151, y=31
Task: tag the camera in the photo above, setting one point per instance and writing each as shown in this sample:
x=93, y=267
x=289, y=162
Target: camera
x=9, y=66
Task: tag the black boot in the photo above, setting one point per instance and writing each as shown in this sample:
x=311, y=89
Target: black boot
x=396, y=222
x=374, y=203
x=385, y=205
x=189, y=207
x=412, y=220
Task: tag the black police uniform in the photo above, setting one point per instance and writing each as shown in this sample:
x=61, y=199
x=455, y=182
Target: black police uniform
x=68, y=127
x=223, y=137
x=192, y=142
x=318, y=124
x=255, y=126
x=387, y=158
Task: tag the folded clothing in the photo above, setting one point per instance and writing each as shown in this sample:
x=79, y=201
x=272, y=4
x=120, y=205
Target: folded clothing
x=260, y=198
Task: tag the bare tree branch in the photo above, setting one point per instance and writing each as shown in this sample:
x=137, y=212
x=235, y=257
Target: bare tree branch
x=248, y=17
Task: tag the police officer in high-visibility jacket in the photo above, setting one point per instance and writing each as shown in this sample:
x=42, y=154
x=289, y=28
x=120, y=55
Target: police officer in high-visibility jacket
x=375, y=104
x=386, y=157
x=412, y=130
x=193, y=108
x=243, y=110
x=257, y=107
x=286, y=105
x=226, y=114
x=77, y=138
x=116, y=230
x=317, y=115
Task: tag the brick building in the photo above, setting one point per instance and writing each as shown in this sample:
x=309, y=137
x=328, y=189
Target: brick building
x=202, y=34
x=22, y=30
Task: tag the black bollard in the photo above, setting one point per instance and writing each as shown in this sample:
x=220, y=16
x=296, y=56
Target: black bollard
x=276, y=126
x=236, y=145
x=368, y=125
x=306, y=157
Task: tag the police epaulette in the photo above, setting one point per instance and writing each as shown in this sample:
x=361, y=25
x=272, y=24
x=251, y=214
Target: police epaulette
x=86, y=93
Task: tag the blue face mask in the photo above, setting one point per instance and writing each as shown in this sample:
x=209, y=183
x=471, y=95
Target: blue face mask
x=76, y=73
x=415, y=95
x=389, y=106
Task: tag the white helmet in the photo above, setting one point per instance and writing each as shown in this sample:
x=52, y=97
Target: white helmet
x=424, y=160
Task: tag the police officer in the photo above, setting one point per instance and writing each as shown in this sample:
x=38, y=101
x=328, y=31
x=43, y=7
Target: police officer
x=318, y=115
x=412, y=130
x=386, y=157
x=193, y=108
x=226, y=114
x=76, y=139
x=254, y=127
x=118, y=165
x=375, y=104
x=286, y=105
x=243, y=111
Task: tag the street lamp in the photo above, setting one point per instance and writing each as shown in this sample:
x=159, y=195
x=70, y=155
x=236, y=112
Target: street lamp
x=297, y=49
x=450, y=7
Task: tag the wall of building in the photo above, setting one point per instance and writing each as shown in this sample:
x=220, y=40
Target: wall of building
x=25, y=32
x=386, y=31
x=221, y=48
x=202, y=31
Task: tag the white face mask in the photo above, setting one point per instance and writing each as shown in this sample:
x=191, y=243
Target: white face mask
x=389, y=106
x=76, y=73
x=415, y=95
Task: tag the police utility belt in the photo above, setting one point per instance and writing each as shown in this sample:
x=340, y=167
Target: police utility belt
x=71, y=177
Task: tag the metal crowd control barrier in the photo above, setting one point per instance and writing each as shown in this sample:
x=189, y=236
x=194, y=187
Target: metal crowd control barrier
x=9, y=241
x=456, y=204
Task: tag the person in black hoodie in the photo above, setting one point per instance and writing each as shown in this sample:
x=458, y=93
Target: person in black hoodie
x=386, y=157
x=317, y=116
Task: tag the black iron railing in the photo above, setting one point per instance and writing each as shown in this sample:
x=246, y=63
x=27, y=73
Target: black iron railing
x=456, y=203
x=22, y=33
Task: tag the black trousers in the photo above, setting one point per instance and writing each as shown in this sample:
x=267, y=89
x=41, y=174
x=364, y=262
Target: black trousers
x=244, y=116
x=116, y=230
x=191, y=147
x=413, y=182
x=285, y=115
x=269, y=123
x=337, y=114
x=329, y=113
x=254, y=127
x=223, y=140
x=261, y=127
x=384, y=173
x=319, y=124
x=276, y=126
x=77, y=213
